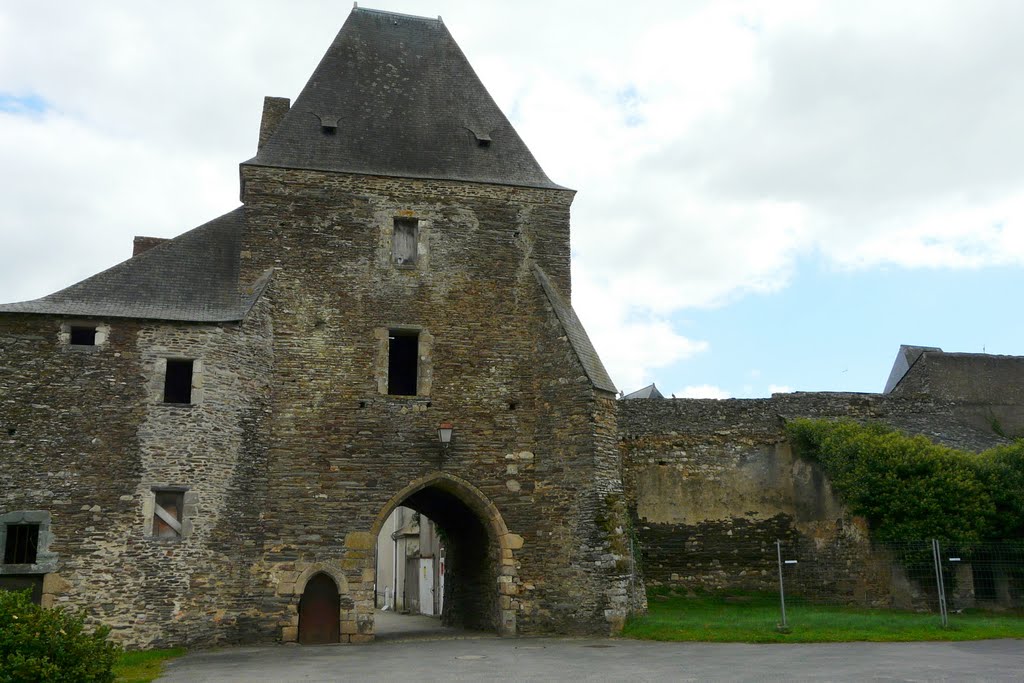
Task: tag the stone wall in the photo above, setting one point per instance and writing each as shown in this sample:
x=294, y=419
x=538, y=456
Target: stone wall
x=88, y=439
x=497, y=366
x=989, y=389
x=713, y=484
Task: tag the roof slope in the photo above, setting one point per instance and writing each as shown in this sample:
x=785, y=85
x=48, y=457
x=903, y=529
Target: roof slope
x=905, y=359
x=407, y=103
x=577, y=336
x=650, y=391
x=192, y=277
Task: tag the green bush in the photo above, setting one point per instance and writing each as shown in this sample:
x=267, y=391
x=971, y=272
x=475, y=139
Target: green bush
x=910, y=488
x=1002, y=471
x=39, y=644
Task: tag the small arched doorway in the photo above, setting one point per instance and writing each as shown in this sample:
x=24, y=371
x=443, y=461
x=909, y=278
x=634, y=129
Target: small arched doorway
x=319, y=611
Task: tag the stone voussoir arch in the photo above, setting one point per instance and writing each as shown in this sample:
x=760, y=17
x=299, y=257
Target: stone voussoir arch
x=479, y=503
x=294, y=591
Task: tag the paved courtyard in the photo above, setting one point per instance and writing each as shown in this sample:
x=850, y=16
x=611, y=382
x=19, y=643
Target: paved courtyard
x=414, y=656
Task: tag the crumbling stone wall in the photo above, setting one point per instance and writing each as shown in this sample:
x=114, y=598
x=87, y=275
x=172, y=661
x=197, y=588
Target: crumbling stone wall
x=713, y=484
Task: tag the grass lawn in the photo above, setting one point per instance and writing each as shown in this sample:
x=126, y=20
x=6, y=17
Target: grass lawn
x=753, y=619
x=143, y=666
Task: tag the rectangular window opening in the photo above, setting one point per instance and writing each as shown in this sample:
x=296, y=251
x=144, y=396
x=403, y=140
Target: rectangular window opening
x=83, y=335
x=22, y=543
x=404, y=240
x=167, y=513
x=178, y=381
x=403, y=362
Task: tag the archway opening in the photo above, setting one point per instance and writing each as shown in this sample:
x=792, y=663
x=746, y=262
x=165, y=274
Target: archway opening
x=442, y=560
x=319, y=611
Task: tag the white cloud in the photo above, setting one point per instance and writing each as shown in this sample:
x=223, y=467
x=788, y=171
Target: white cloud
x=702, y=391
x=779, y=389
x=713, y=144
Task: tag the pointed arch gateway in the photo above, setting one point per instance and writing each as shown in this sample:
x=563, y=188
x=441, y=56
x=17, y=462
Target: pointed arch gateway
x=481, y=575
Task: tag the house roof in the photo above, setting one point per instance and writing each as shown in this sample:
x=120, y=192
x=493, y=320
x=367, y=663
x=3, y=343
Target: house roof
x=650, y=391
x=192, y=277
x=394, y=95
x=575, y=333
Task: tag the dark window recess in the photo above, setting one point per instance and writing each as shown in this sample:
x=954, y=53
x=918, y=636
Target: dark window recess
x=178, y=381
x=83, y=336
x=403, y=242
x=167, y=514
x=403, y=354
x=22, y=543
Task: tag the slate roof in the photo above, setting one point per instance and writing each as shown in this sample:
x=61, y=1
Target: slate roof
x=650, y=391
x=405, y=102
x=577, y=336
x=193, y=277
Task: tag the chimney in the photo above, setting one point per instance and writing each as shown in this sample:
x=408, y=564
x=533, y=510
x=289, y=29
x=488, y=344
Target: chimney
x=141, y=244
x=274, y=109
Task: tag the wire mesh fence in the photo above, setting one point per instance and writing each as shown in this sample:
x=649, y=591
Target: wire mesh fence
x=801, y=580
x=920, y=576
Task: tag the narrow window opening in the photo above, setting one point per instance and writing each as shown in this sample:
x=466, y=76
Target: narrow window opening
x=328, y=130
x=483, y=142
x=178, y=381
x=167, y=514
x=83, y=335
x=403, y=356
x=22, y=544
x=404, y=240
x=512, y=405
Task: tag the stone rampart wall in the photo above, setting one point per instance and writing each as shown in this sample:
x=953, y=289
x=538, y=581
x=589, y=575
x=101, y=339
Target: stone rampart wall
x=713, y=484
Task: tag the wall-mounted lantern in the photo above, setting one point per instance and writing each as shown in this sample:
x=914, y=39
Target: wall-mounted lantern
x=444, y=433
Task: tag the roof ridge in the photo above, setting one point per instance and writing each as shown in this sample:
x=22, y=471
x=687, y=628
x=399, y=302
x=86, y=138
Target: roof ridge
x=357, y=8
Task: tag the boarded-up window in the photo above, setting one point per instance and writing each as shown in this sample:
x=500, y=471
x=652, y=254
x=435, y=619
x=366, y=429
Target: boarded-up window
x=22, y=544
x=167, y=514
x=403, y=366
x=178, y=381
x=403, y=242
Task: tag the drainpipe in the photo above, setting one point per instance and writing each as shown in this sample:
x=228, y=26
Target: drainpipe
x=394, y=572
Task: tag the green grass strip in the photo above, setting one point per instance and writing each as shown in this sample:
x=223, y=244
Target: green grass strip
x=755, y=619
x=142, y=666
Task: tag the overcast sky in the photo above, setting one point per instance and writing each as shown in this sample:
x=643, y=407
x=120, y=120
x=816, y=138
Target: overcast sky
x=772, y=196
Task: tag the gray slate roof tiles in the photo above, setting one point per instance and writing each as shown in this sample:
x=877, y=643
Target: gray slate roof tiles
x=406, y=103
x=192, y=277
x=574, y=331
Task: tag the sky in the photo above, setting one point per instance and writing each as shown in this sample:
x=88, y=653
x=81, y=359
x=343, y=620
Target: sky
x=771, y=195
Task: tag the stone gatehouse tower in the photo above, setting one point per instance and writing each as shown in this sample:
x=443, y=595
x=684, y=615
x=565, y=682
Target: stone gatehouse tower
x=201, y=443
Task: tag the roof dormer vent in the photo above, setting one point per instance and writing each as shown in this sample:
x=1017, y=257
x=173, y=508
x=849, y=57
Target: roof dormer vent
x=483, y=139
x=328, y=123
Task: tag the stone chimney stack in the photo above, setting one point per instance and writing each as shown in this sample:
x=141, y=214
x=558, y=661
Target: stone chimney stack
x=274, y=109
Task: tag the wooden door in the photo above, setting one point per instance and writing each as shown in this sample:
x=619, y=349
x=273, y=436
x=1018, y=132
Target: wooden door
x=427, y=586
x=319, y=610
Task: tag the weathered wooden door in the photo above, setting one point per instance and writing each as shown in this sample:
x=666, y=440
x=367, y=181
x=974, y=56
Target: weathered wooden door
x=319, y=610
